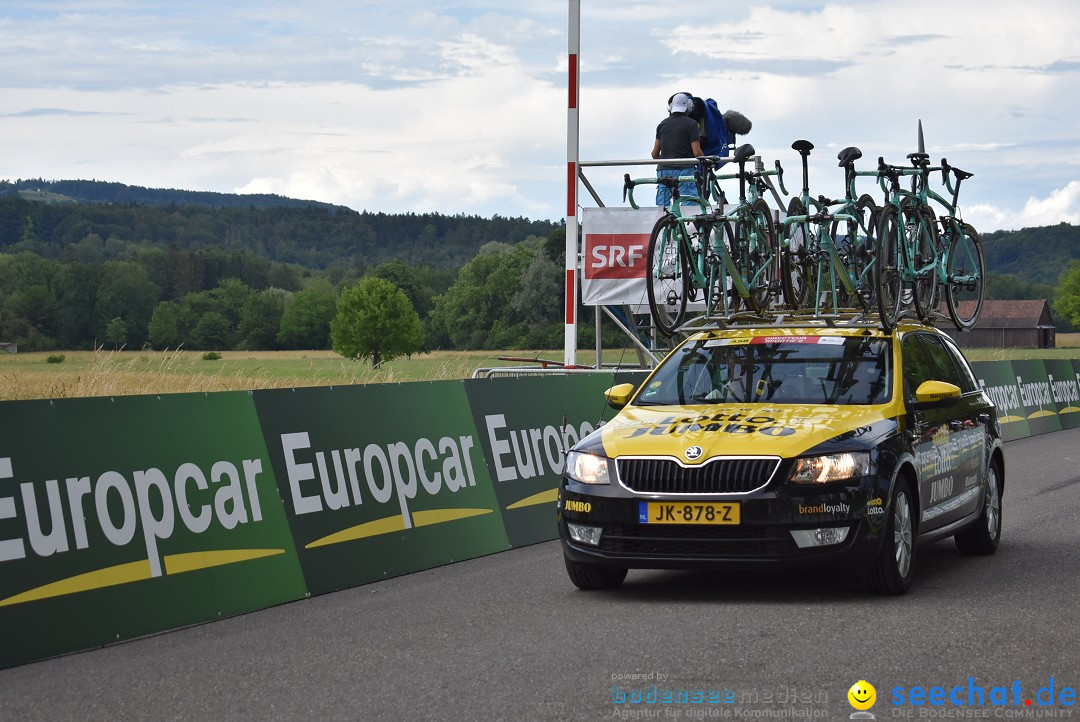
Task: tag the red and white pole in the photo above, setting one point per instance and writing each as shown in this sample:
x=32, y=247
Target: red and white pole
x=574, y=36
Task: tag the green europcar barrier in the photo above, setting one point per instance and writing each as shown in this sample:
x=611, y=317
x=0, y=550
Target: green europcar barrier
x=380, y=480
x=126, y=516
x=525, y=426
x=1033, y=396
x=121, y=517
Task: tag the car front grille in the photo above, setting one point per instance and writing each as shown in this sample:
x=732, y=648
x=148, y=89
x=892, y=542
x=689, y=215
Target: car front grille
x=722, y=475
x=700, y=541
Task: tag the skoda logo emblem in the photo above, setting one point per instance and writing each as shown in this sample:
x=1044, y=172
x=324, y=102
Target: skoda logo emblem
x=694, y=452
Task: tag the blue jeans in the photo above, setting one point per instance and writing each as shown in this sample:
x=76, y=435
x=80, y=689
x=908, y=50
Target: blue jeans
x=686, y=188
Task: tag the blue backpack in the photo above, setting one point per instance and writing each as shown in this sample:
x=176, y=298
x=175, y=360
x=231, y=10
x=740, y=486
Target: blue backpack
x=716, y=135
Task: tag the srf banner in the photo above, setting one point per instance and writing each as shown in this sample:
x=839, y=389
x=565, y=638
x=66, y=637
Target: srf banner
x=616, y=248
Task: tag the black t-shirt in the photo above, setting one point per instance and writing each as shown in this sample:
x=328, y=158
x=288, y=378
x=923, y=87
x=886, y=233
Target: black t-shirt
x=675, y=133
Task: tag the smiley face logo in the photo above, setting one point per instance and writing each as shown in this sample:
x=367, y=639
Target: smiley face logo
x=862, y=695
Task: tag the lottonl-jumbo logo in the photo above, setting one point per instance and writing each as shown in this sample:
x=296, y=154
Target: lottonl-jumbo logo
x=862, y=695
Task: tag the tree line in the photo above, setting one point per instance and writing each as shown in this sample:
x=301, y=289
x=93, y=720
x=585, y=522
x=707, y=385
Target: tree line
x=219, y=275
x=507, y=296
x=315, y=236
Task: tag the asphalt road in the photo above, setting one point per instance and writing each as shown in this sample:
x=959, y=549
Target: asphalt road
x=508, y=637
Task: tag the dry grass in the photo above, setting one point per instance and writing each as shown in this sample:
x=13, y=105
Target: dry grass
x=125, y=373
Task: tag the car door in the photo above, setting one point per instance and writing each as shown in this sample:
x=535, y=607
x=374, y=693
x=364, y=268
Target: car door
x=949, y=437
x=975, y=413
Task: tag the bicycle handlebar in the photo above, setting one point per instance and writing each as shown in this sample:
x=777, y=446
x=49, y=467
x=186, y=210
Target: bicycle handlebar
x=780, y=177
x=921, y=167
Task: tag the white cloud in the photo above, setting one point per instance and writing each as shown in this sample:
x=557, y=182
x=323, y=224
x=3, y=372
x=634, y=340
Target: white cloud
x=462, y=109
x=1061, y=206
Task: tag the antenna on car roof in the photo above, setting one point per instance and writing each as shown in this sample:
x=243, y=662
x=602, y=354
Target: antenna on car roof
x=922, y=143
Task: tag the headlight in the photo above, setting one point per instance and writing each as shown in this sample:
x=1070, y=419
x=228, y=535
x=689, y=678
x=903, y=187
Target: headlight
x=589, y=468
x=834, y=467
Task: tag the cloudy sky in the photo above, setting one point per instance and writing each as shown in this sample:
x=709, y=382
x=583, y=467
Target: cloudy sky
x=459, y=106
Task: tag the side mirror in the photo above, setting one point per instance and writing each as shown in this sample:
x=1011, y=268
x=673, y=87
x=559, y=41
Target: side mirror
x=930, y=392
x=619, y=396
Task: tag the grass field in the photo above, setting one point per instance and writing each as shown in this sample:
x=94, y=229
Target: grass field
x=124, y=373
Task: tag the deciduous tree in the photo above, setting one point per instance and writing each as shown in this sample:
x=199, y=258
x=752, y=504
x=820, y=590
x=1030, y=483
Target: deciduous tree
x=376, y=320
x=305, y=323
x=1067, y=296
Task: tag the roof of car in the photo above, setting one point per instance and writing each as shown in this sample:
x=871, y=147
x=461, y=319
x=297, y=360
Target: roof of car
x=810, y=328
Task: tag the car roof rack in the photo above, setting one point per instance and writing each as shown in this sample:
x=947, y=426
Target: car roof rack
x=849, y=318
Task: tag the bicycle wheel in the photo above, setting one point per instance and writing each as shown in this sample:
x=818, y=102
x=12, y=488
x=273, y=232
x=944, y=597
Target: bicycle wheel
x=922, y=240
x=887, y=266
x=669, y=269
x=796, y=274
x=759, y=240
x=707, y=237
x=862, y=254
x=965, y=272
x=726, y=298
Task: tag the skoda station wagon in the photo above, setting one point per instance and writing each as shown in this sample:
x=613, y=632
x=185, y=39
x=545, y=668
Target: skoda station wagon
x=788, y=446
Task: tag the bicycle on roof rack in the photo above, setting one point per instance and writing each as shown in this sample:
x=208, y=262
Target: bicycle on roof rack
x=722, y=258
x=683, y=251
x=961, y=268
x=915, y=259
x=828, y=255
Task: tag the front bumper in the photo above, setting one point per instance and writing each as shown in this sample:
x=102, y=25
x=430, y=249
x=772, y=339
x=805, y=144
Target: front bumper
x=762, y=538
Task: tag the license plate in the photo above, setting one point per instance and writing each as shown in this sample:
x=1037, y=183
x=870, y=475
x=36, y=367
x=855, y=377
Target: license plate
x=682, y=512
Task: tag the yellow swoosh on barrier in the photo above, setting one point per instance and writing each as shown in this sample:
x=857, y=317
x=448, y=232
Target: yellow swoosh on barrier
x=1039, y=414
x=137, y=572
x=544, y=497
x=1010, y=419
x=97, y=579
x=438, y=516
x=390, y=524
x=194, y=561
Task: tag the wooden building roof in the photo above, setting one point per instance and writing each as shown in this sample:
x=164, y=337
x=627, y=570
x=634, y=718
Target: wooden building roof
x=1013, y=314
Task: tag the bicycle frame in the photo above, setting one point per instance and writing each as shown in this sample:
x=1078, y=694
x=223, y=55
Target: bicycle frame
x=743, y=219
x=821, y=246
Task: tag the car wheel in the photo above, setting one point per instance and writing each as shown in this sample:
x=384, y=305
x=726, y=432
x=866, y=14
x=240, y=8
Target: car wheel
x=892, y=571
x=594, y=576
x=983, y=536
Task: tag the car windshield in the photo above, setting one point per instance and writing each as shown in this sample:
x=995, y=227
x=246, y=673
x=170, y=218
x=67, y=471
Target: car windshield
x=775, y=370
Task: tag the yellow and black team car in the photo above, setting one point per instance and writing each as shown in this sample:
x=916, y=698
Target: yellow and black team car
x=786, y=445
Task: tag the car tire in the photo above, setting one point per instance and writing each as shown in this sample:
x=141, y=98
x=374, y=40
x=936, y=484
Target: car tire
x=594, y=576
x=892, y=571
x=982, y=537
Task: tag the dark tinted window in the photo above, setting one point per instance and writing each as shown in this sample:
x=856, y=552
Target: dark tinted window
x=967, y=378
x=925, y=359
x=775, y=369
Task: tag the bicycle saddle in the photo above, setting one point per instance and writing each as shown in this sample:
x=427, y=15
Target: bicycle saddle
x=803, y=146
x=946, y=169
x=848, y=155
x=743, y=152
x=918, y=159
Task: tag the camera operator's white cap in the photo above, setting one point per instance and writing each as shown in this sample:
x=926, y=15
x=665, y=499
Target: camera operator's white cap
x=681, y=103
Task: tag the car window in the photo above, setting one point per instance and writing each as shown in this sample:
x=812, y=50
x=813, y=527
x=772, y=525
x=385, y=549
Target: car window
x=767, y=369
x=925, y=359
x=963, y=369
